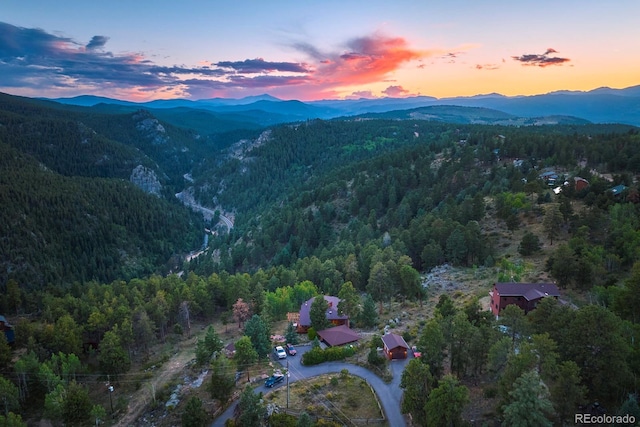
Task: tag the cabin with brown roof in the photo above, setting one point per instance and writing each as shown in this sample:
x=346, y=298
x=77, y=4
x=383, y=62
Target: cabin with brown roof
x=338, y=335
x=524, y=295
x=332, y=314
x=395, y=347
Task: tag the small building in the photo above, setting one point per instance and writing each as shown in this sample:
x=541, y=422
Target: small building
x=580, y=183
x=338, y=335
x=332, y=314
x=395, y=347
x=524, y=295
x=618, y=189
x=7, y=329
x=550, y=177
x=230, y=350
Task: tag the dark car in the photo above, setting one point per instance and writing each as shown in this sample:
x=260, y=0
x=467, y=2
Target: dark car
x=291, y=350
x=273, y=380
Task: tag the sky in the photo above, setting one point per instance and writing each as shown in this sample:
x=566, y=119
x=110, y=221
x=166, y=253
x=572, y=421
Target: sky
x=141, y=50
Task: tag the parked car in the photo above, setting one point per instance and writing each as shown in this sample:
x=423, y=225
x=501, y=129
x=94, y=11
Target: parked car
x=274, y=379
x=291, y=350
x=279, y=352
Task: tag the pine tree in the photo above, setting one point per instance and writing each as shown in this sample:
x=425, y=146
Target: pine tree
x=530, y=405
x=369, y=315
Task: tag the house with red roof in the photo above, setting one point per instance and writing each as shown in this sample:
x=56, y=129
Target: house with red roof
x=332, y=314
x=524, y=295
x=395, y=347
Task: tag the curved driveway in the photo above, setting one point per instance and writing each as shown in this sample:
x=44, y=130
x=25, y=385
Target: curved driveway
x=389, y=395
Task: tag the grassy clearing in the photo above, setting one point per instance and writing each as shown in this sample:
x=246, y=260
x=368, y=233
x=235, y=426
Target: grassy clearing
x=334, y=395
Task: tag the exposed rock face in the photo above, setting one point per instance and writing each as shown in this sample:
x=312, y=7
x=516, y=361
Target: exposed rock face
x=146, y=179
x=150, y=127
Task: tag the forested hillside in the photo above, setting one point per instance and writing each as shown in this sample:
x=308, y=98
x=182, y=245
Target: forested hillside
x=361, y=208
x=69, y=213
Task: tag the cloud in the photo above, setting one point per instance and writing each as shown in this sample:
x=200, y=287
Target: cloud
x=395, y=91
x=361, y=94
x=34, y=61
x=259, y=65
x=543, y=60
x=487, y=67
x=97, y=42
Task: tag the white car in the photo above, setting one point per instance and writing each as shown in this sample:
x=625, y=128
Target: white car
x=279, y=352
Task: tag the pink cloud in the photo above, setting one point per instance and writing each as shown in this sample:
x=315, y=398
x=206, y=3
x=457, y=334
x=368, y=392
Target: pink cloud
x=395, y=91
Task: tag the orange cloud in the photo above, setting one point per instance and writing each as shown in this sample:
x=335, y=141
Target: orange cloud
x=368, y=60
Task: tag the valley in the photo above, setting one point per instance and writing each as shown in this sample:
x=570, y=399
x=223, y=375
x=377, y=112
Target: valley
x=407, y=215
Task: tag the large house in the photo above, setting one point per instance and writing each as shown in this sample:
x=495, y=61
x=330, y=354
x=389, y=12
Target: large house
x=332, y=314
x=524, y=295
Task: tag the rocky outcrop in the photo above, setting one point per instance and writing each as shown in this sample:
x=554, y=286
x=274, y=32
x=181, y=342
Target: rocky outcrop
x=150, y=127
x=146, y=179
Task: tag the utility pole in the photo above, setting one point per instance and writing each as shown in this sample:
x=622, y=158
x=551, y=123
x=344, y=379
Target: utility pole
x=287, y=384
x=110, y=389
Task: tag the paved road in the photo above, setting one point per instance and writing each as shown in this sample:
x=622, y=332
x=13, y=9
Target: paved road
x=389, y=395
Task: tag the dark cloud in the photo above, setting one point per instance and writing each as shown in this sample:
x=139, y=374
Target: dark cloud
x=97, y=42
x=259, y=65
x=543, y=60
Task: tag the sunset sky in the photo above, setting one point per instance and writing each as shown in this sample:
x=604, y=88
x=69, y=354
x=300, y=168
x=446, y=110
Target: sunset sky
x=141, y=49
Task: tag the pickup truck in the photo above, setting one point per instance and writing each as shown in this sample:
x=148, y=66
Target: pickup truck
x=279, y=352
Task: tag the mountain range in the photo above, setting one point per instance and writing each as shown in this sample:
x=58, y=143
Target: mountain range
x=215, y=115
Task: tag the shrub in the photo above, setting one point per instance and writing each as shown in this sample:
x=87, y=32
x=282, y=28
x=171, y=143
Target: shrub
x=311, y=334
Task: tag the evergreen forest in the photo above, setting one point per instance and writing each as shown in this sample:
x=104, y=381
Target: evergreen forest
x=96, y=270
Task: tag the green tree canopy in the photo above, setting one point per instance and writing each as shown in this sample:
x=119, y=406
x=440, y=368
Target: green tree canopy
x=417, y=383
x=530, y=405
x=258, y=332
x=446, y=402
x=318, y=313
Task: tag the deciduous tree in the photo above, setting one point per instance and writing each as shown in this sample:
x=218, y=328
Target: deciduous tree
x=241, y=312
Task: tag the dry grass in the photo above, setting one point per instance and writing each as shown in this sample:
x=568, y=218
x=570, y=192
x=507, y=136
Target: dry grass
x=333, y=396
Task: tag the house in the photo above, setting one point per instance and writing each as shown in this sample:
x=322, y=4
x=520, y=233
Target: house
x=230, y=350
x=524, y=295
x=7, y=329
x=338, y=335
x=550, y=177
x=332, y=314
x=395, y=347
x=580, y=183
x=618, y=189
